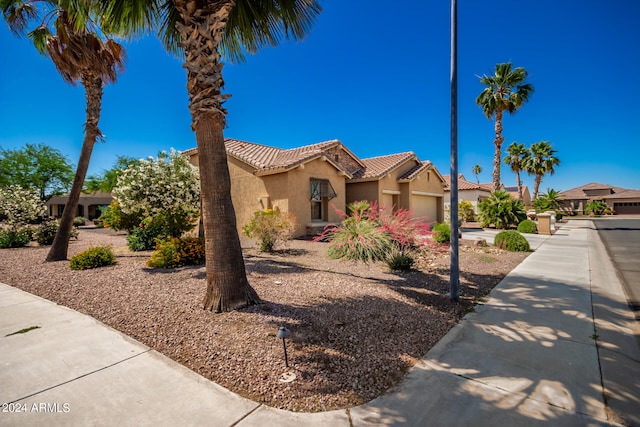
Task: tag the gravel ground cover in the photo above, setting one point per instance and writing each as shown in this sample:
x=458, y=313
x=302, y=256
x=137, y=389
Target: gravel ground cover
x=355, y=329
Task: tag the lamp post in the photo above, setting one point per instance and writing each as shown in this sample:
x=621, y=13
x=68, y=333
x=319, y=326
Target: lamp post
x=454, y=271
x=284, y=333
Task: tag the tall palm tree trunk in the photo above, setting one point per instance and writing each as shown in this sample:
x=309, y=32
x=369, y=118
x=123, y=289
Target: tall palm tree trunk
x=536, y=186
x=227, y=284
x=93, y=94
x=498, y=153
x=519, y=184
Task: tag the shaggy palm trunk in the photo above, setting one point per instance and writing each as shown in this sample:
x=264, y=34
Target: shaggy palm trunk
x=519, y=184
x=498, y=153
x=536, y=186
x=227, y=285
x=93, y=93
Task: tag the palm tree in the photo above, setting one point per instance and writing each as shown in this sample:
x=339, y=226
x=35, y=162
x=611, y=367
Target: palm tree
x=66, y=35
x=506, y=91
x=541, y=162
x=202, y=30
x=516, y=157
x=548, y=201
x=477, y=169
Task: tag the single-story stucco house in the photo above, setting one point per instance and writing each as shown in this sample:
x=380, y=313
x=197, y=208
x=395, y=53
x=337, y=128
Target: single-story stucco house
x=88, y=204
x=312, y=181
x=467, y=190
x=524, y=195
x=621, y=200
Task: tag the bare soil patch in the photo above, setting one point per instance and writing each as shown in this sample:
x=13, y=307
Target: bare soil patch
x=356, y=329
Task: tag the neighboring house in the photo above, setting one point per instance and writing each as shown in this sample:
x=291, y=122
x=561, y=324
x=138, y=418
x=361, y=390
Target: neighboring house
x=88, y=204
x=621, y=200
x=311, y=182
x=467, y=190
x=525, y=196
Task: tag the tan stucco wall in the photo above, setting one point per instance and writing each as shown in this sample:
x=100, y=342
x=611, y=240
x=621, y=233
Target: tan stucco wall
x=431, y=205
x=357, y=191
x=299, y=182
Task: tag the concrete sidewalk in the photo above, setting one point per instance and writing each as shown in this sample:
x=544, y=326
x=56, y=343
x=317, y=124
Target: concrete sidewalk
x=554, y=338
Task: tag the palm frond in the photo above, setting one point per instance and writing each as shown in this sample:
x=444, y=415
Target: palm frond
x=17, y=14
x=255, y=24
x=39, y=38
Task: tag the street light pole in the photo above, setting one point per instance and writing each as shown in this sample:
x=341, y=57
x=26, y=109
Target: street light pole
x=453, y=212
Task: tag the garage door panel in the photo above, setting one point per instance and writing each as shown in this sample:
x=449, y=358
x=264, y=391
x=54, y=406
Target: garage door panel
x=425, y=206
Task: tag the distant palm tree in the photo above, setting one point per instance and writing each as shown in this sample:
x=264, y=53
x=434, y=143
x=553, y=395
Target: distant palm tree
x=548, y=201
x=506, y=91
x=204, y=31
x=66, y=35
x=516, y=157
x=542, y=161
x=477, y=169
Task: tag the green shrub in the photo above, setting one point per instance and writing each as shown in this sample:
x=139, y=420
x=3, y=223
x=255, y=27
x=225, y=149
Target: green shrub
x=597, y=208
x=466, y=212
x=512, y=241
x=14, y=238
x=559, y=215
x=270, y=227
x=442, y=233
x=113, y=217
x=145, y=236
x=47, y=232
x=178, y=252
x=399, y=260
x=501, y=210
x=97, y=256
x=527, y=226
x=79, y=220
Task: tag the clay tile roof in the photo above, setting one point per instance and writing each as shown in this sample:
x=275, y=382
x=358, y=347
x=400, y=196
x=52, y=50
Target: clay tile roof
x=463, y=184
x=256, y=155
x=265, y=158
x=377, y=167
x=415, y=171
x=579, y=192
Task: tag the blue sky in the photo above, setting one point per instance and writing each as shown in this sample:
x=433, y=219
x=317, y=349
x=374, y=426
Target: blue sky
x=377, y=78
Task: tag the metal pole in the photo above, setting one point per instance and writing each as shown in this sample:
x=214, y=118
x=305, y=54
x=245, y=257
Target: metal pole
x=454, y=266
x=286, y=359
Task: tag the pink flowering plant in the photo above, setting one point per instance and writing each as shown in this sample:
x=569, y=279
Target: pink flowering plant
x=369, y=233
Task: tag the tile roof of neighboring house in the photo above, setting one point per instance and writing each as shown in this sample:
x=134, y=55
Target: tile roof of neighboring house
x=464, y=185
x=625, y=194
x=378, y=167
x=579, y=192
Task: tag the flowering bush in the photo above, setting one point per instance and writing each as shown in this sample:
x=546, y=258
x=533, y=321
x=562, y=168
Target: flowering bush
x=466, y=213
x=20, y=205
x=371, y=233
x=270, y=227
x=167, y=184
x=176, y=252
x=155, y=200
